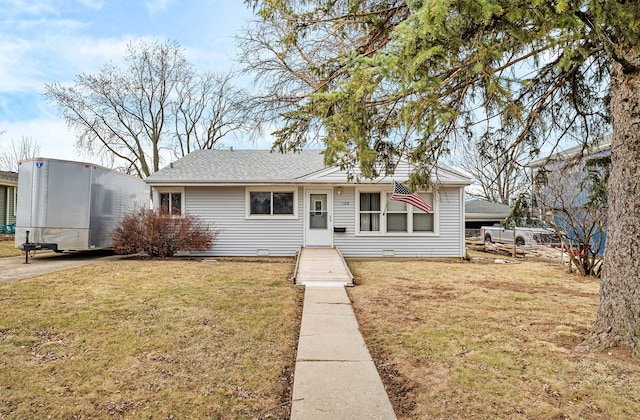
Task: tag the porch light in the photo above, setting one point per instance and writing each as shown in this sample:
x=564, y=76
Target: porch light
x=339, y=191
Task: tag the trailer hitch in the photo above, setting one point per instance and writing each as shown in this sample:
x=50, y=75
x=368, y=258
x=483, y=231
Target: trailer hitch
x=25, y=247
x=28, y=247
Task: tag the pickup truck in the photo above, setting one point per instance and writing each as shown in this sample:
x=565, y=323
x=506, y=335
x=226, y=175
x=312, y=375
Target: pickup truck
x=522, y=235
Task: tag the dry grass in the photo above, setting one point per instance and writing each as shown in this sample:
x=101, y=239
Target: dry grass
x=155, y=339
x=481, y=340
x=7, y=248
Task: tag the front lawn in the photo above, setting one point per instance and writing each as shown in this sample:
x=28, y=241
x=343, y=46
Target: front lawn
x=150, y=339
x=461, y=340
x=8, y=249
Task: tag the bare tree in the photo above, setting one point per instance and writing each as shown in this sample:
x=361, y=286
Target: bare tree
x=207, y=110
x=572, y=197
x=14, y=153
x=501, y=177
x=155, y=107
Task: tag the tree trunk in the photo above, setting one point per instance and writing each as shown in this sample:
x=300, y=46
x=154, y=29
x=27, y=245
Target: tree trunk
x=618, y=318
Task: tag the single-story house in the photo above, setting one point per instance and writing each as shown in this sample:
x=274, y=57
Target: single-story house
x=273, y=204
x=8, y=191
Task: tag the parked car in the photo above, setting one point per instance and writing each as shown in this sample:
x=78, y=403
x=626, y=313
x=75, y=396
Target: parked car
x=539, y=234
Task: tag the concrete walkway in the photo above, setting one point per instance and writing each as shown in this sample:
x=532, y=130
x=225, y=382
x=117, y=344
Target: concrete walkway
x=322, y=267
x=335, y=377
x=14, y=268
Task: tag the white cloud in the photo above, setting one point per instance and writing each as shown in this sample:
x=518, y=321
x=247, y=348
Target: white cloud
x=15, y=68
x=86, y=54
x=49, y=41
x=50, y=133
x=27, y=65
x=157, y=6
x=92, y=4
x=26, y=7
x=14, y=8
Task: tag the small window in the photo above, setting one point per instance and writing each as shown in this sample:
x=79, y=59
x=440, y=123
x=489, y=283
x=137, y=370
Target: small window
x=271, y=203
x=283, y=203
x=396, y=216
x=369, y=212
x=260, y=203
x=171, y=203
x=423, y=222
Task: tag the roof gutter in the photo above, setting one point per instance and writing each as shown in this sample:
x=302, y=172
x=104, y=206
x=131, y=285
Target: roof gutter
x=247, y=183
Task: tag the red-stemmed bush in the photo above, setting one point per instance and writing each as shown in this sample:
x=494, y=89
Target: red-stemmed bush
x=160, y=235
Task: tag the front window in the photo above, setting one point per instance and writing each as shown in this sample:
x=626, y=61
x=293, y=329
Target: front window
x=283, y=203
x=260, y=203
x=171, y=203
x=396, y=216
x=393, y=216
x=369, y=212
x=271, y=203
x=423, y=222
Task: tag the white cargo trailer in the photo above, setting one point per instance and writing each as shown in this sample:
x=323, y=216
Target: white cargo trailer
x=72, y=206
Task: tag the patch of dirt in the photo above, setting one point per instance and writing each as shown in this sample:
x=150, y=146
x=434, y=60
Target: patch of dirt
x=121, y=407
x=50, y=347
x=569, y=342
x=399, y=388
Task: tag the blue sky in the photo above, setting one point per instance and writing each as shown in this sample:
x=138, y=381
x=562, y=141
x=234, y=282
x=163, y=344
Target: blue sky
x=46, y=41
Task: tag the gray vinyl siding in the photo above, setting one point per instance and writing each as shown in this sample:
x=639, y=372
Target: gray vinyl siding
x=440, y=175
x=447, y=243
x=11, y=198
x=7, y=205
x=224, y=208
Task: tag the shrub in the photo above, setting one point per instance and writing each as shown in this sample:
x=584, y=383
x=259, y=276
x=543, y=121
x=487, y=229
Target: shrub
x=160, y=235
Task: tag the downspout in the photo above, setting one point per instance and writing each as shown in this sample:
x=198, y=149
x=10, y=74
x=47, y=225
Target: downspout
x=462, y=224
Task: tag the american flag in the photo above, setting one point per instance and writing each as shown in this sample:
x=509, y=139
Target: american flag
x=402, y=193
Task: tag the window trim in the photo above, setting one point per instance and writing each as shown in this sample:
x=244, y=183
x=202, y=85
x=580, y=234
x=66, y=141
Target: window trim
x=271, y=189
x=170, y=190
x=370, y=212
x=15, y=201
x=384, y=194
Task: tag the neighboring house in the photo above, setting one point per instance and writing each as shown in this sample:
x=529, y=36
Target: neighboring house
x=273, y=204
x=561, y=183
x=480, y=213
x=8, y=190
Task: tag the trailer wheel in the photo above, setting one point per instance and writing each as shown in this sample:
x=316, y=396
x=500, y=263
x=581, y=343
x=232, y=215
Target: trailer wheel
x=487, y=238
x=519, y=241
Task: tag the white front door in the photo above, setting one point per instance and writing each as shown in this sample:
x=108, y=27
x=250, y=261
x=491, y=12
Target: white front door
x=318, y=218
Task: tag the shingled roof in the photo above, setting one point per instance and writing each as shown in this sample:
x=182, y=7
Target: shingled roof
x=486, y=207
x=8, y=178
x=601, y=146
x=204, y=166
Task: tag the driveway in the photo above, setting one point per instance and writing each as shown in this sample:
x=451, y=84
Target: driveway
x=14, y=268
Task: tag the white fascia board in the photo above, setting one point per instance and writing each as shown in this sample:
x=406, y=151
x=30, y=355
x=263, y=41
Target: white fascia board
x=226, y=183
x=485, y=216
